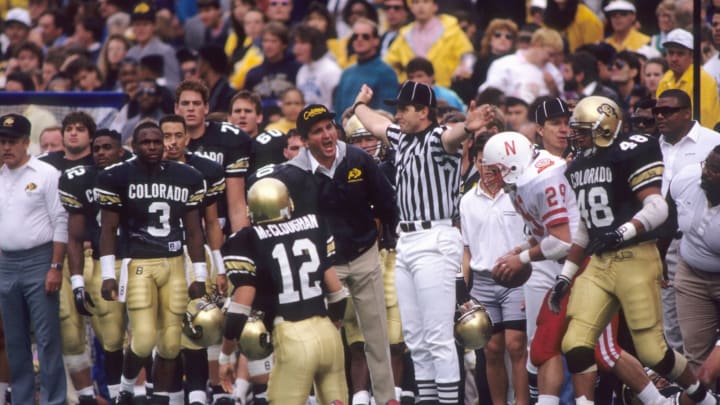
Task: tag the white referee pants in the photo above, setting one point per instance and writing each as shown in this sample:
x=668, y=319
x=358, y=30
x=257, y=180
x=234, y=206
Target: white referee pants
x=425, y=269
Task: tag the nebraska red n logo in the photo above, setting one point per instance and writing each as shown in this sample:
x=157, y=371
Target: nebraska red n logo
x=510, y=147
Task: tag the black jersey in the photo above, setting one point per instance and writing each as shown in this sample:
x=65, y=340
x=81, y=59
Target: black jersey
x=151, y=205
x=606, y=181
x=285, y=259
x=227, y=145
x=301, y=184
x=58, y=160
x=267, y=148
x=214, y=177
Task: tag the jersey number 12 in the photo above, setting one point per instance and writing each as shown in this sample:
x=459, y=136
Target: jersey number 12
x=300, y=247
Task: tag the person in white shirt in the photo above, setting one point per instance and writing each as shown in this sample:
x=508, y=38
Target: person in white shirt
x=319, y=74
x=30, y=264
x=529, y=73
x=487, y=210
x=683, y=142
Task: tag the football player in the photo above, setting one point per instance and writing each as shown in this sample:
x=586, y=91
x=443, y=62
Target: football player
x=78, y=129
x=246, y=114
x=222, y=142
x=199, y=361
x=617, y=182
x=287, y=252
x=156, y=202
x=107, y=318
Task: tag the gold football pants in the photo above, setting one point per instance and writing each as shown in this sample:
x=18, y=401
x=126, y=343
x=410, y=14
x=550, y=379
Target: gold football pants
x=306, y=352
x=629, y=278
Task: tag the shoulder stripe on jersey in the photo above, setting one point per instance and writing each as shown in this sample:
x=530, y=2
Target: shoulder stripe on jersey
x=105, y=197
x=646, y=175
x=69, y=200
x=239, y=259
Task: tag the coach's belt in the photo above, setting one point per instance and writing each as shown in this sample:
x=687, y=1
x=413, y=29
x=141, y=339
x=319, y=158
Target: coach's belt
x=414, y=226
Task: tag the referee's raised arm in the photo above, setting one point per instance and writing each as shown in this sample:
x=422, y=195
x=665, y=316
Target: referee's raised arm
x=477, y=118
x=376, y=123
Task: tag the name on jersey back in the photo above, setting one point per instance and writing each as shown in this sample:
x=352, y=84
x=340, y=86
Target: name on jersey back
x=155, y=190
x=296, y=225
x=592, y=175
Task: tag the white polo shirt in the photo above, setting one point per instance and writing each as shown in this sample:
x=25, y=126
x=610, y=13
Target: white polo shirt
x=692, y=148
x=490, y=227
x=700, y=243
x=30, y=209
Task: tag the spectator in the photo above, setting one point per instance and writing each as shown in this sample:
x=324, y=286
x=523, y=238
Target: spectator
x=212, y=68
x=528, y=74
x=575, y=21
x=16, y=29
x=712, y=66
x=40, y=116
x=29, y=59
x=149, y=102
x=421, y=70
x=147, y=43
x=352, y=12
x=114, y=14
x=279, y=11
x=625, y=75
x=188, y=59
x=679, y=54
x=319, y=75
x=87, y=37
x=624, y=35
x=516, y=113
x=51, y=139
x=369, y=69
x=435, y=37
x=251, y=50
x=31, y=264
x=653, y=71
x=292, y=102
x=278, y=70
x=665, y=13
x=585, y=74
x=642, y=120
x=396, y=15
x=50, y=25
x=216, y=26
x=112, y=53
x=319, y=18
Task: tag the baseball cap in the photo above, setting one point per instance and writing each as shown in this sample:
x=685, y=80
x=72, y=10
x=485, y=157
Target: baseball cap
x=551, y=108
x=619, y=5
x=538, y=4
x=310, y=115
x=14, y=126
x=208, y=3
x=19, y=15
x=143, y=12
x=215, y=56
x=414, y=93
x=679, y=37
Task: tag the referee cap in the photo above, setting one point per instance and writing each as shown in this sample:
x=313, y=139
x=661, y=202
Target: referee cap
x=311, y=115
x=414, y=93
x=551, y=108
x=14, y=126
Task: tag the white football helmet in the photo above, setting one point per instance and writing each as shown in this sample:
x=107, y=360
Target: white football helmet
x=511, y=151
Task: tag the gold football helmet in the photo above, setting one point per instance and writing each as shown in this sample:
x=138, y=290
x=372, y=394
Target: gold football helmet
x=601, y=116
x=203, y=322
x=474, y=328
x=269, y=201
x=355, y=132
x=255, y=340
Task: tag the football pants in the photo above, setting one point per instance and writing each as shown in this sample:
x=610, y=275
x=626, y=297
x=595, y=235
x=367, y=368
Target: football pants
x=108, y=320
x=72, y=325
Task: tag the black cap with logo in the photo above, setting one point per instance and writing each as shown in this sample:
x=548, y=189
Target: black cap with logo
x=310, y=115
x=14, y=126
x=143, y=12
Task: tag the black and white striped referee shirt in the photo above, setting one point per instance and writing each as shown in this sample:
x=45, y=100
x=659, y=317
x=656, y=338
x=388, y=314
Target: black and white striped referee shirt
x=427, y=177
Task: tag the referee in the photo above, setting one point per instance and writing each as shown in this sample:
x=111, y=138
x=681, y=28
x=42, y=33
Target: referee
x=33, y=225
x=429, y=248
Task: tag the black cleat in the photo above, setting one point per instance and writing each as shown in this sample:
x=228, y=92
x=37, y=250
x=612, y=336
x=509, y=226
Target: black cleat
x=125, y=398
x=87, y=400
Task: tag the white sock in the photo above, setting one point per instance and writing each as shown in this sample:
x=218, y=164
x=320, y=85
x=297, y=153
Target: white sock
x=114, y=390
x=649, y=394
x=361, y=397
x=197, y=396
x=139, y=390
x=87, y=392
x=548, y=400
x=583, y=401
x=127, y=384
x=3, y=389
x=177, y=398
x=398, y=393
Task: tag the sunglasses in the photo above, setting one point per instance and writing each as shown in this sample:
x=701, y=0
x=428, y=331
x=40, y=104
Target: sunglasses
x=393, y=8
x=665, y=111
x=620, y=13
x=364, y=36
x=147, y=91
x=279, y=3
x=508, y=36
x=618, y=64
x=642, y=121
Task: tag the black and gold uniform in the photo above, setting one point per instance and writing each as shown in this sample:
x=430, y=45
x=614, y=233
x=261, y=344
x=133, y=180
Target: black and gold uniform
x=57, y=159
x=267, y=149
x=230, y=147
x=150, y=207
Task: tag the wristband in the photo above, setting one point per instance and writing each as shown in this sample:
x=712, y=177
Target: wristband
x=627, y=230
x=224, y=359
x=107, y=267
x=525, y=256
x=336, y=296
x=77, y=281
x=218, y=259
x=359, y=103
x=524, y=245
x=200, y=270
x=569, y=269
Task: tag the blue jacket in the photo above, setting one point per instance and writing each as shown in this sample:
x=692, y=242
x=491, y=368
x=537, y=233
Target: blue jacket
x=376, y=74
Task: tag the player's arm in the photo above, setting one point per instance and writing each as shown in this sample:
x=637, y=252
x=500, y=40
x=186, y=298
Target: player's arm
x=109, y=221
x=477, y=118
x=76, y=261
x=575, y=257
x=214, y=235
x=336, y=295
x=374, y=122
x=235, y=319
x=194, y=240
x=237, y=206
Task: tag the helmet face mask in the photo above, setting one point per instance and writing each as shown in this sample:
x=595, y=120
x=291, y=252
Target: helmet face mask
x=473, y=329
x=203, y=322
x=255, y=340
x=599, y=115
x=269, y=201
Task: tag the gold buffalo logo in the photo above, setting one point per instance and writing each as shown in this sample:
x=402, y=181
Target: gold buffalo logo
x=314, y=112
x=9, y=122
x=31, y=187
x=607, y=110
x=354, y=174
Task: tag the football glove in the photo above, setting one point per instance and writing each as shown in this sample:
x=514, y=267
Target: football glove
x=609, y=240
x=82, y=301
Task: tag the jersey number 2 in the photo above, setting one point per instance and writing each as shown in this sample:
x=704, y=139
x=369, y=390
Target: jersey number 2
x=300, y=247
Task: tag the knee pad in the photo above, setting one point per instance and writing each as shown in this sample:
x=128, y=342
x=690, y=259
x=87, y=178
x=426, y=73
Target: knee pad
x=260, y=367
x=580, y=359
x=671, y=365
x=77, y=362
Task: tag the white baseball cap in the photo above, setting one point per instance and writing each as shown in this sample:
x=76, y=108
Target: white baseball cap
x=619, y=5
x=539, y=4
x=680, y=37
x=18, y=15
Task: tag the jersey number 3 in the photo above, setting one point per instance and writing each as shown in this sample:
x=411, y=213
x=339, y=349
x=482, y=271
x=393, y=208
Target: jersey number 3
x=300, y=247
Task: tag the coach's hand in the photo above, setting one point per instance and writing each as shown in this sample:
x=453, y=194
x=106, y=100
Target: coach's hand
x=558, y=292
x=196, y=290
x=610, y=240
x=109, y=289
